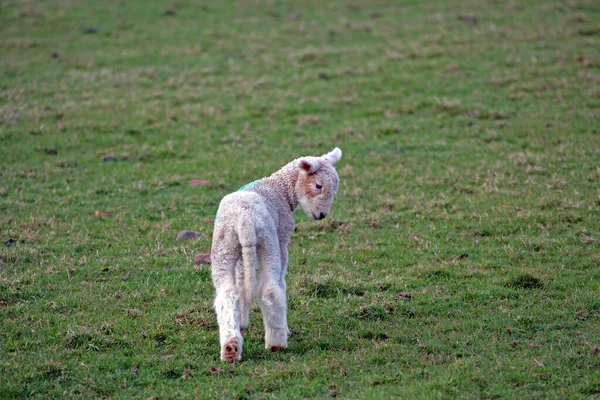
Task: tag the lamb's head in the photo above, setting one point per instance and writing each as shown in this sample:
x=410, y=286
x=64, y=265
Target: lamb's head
x=317, y=183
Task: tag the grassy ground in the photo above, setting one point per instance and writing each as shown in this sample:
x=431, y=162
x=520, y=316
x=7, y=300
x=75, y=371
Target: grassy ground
x=468, y=128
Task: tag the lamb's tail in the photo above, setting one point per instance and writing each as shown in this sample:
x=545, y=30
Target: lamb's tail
x=249, y=261
x=247, y=238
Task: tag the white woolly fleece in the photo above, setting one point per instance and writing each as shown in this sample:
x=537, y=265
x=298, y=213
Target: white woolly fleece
x=252, y=228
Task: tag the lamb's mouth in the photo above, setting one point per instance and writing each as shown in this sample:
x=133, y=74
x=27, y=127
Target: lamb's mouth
x=319, y=217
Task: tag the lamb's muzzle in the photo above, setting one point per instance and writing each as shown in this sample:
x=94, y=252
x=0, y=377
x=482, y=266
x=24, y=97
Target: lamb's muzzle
x=253, y=227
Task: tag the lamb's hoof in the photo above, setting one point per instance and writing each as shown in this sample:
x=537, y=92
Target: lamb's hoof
x=231, y=352
x=277, y=348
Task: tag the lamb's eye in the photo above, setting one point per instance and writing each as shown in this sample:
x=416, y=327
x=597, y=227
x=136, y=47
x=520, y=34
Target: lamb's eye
x=319, y=187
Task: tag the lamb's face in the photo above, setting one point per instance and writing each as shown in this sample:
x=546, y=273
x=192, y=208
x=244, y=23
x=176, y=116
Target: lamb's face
x=317, y=183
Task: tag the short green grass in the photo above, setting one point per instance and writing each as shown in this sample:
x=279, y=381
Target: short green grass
x=468, y=127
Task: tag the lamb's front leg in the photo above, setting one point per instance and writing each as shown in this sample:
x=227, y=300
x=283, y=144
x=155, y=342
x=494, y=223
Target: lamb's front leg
x=228, y=307
x=283, y=249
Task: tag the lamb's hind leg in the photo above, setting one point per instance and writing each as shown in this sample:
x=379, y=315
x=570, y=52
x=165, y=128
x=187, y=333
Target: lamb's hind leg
x=228, y=307
x=273, y=303
x=274, y=311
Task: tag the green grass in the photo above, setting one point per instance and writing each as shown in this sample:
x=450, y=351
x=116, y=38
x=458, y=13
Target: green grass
x=460, y=136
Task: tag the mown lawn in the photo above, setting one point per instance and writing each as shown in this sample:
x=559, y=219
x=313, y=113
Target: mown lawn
x=461, y=257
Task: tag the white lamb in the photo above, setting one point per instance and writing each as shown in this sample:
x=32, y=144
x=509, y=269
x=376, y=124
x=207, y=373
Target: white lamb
x=253, y=226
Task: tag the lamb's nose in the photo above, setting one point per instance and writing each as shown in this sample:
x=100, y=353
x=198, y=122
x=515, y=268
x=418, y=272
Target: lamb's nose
x=323, y=215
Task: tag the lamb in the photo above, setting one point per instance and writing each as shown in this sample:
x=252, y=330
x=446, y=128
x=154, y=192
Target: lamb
x=252, y=228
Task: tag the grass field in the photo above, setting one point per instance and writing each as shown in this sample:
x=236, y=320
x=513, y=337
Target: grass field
x=461, y=258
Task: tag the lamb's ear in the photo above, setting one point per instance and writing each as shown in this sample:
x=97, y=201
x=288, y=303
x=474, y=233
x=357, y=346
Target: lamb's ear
x=333, y=156
x=306, y=165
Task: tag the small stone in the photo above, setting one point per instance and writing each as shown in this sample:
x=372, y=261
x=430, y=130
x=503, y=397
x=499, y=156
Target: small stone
x=201, y=259
x=188, y=235
x=126, y=277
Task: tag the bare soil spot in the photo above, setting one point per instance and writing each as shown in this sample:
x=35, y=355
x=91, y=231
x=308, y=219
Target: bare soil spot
x=469, y=19
x=198, y=182
x=188, y=235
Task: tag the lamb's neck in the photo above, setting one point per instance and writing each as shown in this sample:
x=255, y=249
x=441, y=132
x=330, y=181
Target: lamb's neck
x=284, y=183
